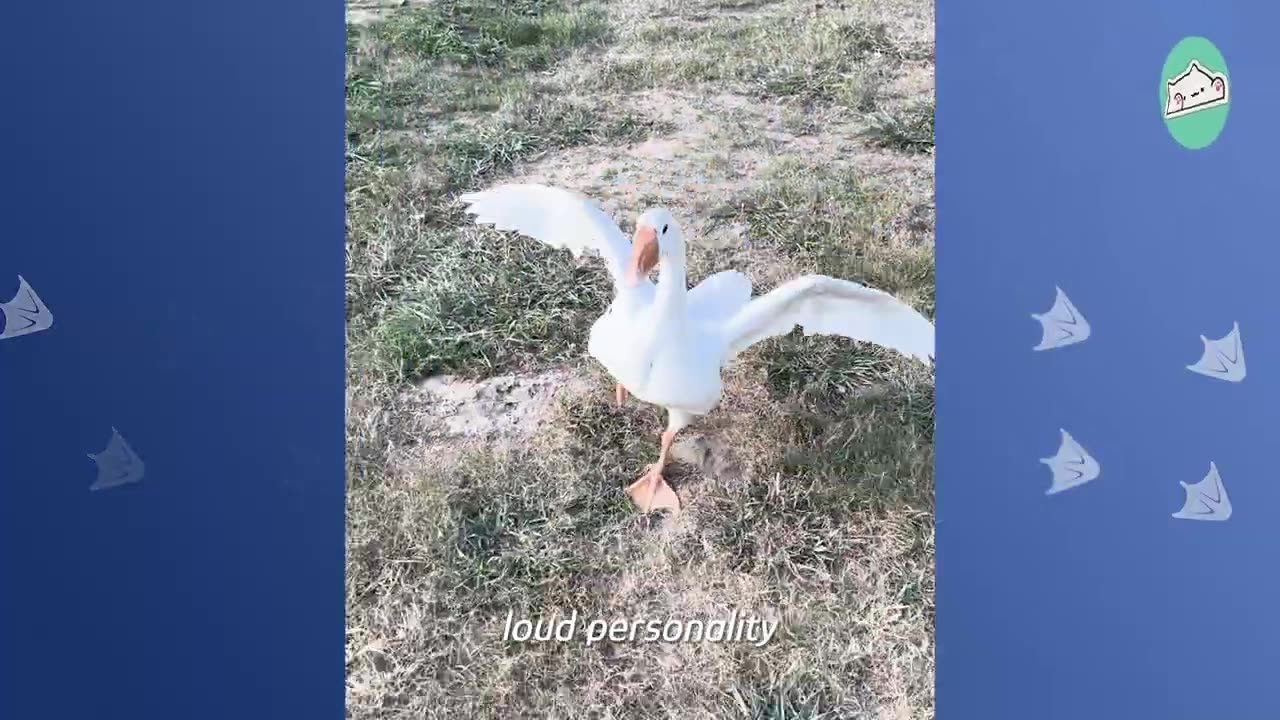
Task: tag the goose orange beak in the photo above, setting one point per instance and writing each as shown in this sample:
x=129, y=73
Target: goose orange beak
x=644, y=254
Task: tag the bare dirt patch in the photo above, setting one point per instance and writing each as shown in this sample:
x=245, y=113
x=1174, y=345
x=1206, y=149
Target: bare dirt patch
x=507, y=406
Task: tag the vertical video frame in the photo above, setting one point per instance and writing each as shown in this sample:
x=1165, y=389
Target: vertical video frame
x=596, y=465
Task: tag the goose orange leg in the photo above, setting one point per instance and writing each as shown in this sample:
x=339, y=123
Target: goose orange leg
x=619, y=394
x=651, y=492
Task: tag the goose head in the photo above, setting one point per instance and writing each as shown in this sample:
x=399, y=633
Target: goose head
x=658, y=237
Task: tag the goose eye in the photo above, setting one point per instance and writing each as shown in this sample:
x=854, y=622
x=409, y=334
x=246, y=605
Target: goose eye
x=664, y=229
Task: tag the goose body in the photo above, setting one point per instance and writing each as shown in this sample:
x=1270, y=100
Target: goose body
x=675, y=366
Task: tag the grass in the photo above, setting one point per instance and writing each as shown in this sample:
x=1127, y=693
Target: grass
x=445, y=300
x=808, y=493
x=437, y=564
x=801, y=206
x=810, y=58
x=485, y=307
x=453, y=56
x=404, y=165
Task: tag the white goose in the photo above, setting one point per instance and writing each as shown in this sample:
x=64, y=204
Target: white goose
x=666, y=344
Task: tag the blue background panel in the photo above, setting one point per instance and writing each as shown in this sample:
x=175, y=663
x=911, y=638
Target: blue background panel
x=1055, y=168
x=172, y=189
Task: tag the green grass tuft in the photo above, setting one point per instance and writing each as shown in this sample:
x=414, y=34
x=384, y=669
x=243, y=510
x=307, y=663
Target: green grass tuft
x=910, y=130
x=485, y=304
x=511, y=35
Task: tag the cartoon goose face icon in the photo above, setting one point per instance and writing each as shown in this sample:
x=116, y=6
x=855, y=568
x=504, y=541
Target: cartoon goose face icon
x=1195, y=89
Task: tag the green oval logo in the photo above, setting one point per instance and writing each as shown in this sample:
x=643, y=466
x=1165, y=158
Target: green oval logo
x=1195, y=93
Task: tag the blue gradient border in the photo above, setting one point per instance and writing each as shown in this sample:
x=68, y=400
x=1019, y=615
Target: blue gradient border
x=1054, y=167
x=173, y=190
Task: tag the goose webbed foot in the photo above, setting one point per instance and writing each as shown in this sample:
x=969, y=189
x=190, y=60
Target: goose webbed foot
x=651, y=492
